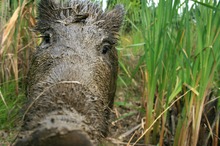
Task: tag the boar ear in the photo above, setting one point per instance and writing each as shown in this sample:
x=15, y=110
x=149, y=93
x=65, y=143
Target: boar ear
x=113, y=19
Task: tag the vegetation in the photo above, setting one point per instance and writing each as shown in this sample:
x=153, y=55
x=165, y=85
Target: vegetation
x=169, y=57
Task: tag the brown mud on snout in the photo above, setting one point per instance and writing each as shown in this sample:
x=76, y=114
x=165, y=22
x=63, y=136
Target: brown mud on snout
x=45, y=138
x=72, y=79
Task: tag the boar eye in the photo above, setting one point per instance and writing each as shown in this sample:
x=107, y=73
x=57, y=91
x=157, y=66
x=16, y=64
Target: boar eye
x=47, y=38
x=106, y=47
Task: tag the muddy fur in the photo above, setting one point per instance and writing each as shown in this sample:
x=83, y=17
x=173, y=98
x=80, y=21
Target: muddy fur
x=72, y=79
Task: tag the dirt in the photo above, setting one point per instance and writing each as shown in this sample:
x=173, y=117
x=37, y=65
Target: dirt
x=127, y=124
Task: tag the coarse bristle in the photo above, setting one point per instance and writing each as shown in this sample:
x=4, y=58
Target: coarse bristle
x=68, y=11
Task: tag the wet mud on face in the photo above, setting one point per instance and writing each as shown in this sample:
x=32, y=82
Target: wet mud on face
x=71, y=83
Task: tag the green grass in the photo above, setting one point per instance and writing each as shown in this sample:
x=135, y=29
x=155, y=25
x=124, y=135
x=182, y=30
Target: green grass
x=10, y=104
x=17, y=41
x=167, y=60
x=181, y=55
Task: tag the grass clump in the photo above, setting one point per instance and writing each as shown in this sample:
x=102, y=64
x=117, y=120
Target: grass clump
x=10, y=105
x=181, y=61
x=17, y=41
